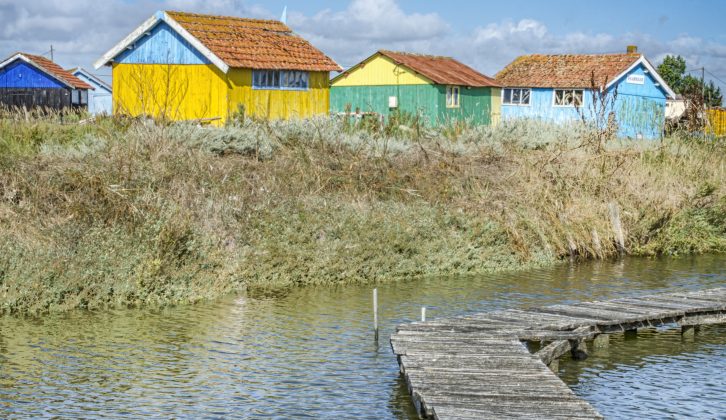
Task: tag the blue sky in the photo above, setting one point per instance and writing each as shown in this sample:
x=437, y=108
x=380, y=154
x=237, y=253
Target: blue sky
x=485, y=35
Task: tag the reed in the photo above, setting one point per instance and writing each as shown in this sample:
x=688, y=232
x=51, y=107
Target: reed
x=131, y=212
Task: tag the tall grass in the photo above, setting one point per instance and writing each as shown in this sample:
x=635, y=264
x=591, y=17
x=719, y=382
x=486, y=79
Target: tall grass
x=128, y=213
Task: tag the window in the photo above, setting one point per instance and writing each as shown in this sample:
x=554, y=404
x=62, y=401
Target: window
x=568, y=97
x=280, y=79
x=516, y=96
x=452, y=96
x=84, y=97
x=75, y=96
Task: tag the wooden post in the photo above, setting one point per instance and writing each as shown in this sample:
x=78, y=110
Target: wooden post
x=423, y=314
x=688, y=331
x=617, y=226
x=572, y=245
x=601, y=341
x=597, y=247
x=579, y=349
x=375, y=312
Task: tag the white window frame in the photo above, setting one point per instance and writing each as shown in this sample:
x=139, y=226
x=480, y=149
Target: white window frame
x=453, y=96
x=573, y=105
x=529, y=101
x=280, y=79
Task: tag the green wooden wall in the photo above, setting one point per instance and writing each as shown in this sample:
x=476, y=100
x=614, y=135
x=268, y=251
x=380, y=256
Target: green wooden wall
x=429, y=101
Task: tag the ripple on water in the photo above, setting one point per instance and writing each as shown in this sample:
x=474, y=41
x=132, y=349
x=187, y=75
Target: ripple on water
x=658, y=373
x=311, y=354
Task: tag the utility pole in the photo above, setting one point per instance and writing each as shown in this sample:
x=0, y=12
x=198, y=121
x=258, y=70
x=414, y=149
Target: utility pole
x=704, y=115
x=51, y=52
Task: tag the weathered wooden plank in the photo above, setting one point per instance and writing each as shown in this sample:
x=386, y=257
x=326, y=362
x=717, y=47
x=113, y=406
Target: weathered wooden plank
x=706, y=301
x=530, y=335
x=476, y=367
x=657, y=306
x=624, y=308
x=554, y=351
x=596, y=317
x=452, y=412
x=609, y=314
x=706, y=319
x=689, y=305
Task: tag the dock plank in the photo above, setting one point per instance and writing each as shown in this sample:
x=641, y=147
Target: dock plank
x=476, y=366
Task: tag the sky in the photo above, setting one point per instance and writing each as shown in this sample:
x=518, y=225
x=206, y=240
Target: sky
x=486, y=35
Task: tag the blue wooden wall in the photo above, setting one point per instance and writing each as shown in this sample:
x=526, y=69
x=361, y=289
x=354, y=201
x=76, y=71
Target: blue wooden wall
x=639, y=109
x=99, y=100
x=20, y=74
x=162, y=46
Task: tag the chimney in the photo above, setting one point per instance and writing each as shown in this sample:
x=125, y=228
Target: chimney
x=632, y=49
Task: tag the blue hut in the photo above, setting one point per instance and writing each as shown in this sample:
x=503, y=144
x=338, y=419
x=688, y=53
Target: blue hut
x=627, y=90
x=100, y=100
x=31, y=81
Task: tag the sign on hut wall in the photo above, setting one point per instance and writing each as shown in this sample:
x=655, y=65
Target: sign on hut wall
x=636, y=79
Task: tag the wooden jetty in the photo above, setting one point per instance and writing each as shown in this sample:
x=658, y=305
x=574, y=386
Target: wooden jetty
x=478, y=366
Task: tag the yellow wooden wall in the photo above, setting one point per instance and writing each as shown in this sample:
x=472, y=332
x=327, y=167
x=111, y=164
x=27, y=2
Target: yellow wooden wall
x=379, y=71
x=276, y=103
x=177, y=92
x=190, y=92
x=717, y=121
x=496, y=95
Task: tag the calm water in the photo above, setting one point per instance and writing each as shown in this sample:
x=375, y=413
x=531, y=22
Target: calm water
x=311, y=354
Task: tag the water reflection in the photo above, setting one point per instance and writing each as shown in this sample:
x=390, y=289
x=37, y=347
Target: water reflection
x=657, y=371
x=309, y=354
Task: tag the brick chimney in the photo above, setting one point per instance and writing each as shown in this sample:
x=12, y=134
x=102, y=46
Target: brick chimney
x=632, y=49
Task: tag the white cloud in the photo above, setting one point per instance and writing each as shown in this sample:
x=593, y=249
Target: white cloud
x=366, y=26
x=372, y=20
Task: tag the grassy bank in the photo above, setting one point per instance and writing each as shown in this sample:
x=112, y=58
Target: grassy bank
x=122, y=213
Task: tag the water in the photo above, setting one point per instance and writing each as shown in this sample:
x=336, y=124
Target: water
x=312, y=354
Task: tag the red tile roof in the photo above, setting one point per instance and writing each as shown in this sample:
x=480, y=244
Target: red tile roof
x=57, y=71
x=441, y=70
x=565, y=71
x=254, y=43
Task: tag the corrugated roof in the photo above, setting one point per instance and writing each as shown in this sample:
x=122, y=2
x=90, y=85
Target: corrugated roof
x=441, y=70
x=565, y=71
x=254, y=43
x=54, y=70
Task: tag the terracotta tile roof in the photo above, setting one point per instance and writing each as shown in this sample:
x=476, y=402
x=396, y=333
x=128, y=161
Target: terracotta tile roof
x=254, y=43
x=57, y=71
x=564, y=71
x=441, y=70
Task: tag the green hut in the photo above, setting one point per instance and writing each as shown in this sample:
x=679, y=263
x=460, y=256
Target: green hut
x=438, y=89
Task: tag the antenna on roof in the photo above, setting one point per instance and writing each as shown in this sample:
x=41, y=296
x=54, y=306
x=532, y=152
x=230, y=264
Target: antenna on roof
x=283, y=18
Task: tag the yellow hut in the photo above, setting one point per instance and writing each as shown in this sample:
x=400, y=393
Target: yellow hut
x=184, y=66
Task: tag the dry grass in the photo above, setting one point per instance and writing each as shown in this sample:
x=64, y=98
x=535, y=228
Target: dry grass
x=124, y=213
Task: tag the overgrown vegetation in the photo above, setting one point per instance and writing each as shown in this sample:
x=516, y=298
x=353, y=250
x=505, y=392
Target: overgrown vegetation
x=128, y=213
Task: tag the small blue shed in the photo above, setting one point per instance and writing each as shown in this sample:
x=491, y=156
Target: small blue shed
x=34, y=82
x=100, y=100
x=560, y=88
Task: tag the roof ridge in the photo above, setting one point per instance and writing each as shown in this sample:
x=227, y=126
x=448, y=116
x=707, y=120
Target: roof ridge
x=245, y=19
x=54, y=69
x=583, y=55
x=384, y=51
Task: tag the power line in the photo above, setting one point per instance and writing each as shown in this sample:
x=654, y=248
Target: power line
x=715, y=77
